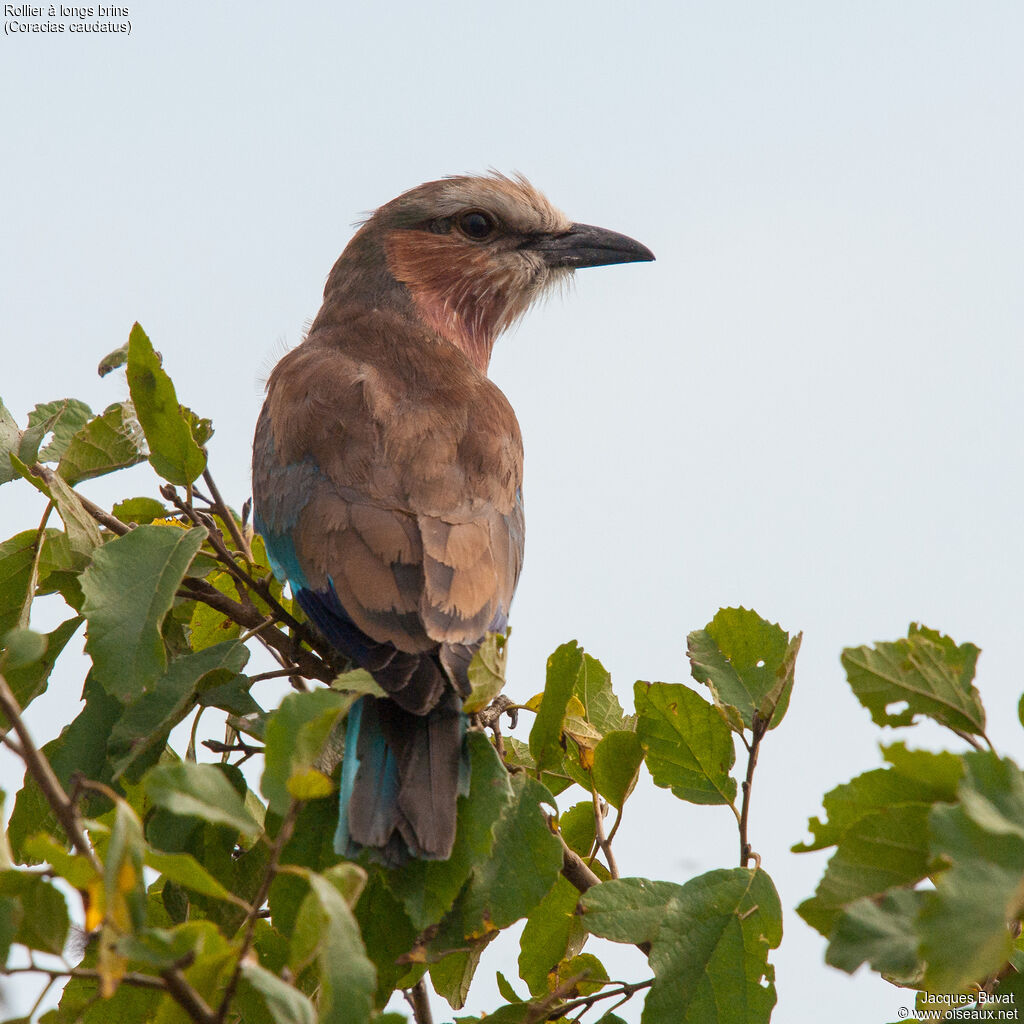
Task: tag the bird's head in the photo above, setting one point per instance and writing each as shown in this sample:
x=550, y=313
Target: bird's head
x=472, y=254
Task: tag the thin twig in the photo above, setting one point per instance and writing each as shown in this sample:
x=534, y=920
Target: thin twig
x=42, y=995
x=132, y=978
x=40, y=770
x=103, y=518
x=227, y=559
x=758, y=727
x=615, y=827
x=417, y=999
x=628, y=990
x=187, y=997
x=227, y=517
x=12, y=745
x=283, y=835
x=279, y=673
x=315, y=664
x=603, y=844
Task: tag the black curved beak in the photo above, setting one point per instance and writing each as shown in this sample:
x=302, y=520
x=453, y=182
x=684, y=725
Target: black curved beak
x=584, y=245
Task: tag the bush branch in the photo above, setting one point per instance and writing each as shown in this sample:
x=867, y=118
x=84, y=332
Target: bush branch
x=758, y=727
x=284, y=833
x=39, y=768
x=227, y=517
x=627, y=990
x=417, y=999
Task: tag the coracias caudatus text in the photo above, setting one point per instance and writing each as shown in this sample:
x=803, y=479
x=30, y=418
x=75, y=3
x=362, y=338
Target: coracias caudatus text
x=387, y=478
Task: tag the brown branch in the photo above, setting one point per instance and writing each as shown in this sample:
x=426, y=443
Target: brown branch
x=279, y=673
x=132, y=978
x=575, y=869
x=417, y=999
x=227, y=559
x=283, y=835
x=40, y=770
x=758, y=727
x=603, y=843
x=226, y=517
x=628, y=990
x=187, y=997
x=103, y=518
x=313, y=665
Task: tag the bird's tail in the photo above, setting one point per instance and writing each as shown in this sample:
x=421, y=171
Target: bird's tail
x=400, y=778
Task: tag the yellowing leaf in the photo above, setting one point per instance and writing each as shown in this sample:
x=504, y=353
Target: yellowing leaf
x=309, y=784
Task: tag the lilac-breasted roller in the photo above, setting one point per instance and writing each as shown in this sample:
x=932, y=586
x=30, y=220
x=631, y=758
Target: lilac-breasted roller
x=387, y=478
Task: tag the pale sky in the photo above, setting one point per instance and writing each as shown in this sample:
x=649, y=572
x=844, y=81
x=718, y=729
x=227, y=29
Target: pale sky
x=809, y=405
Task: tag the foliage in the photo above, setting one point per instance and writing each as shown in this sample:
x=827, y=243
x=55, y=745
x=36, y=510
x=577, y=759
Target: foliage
x=926, y=883
x=211, y=893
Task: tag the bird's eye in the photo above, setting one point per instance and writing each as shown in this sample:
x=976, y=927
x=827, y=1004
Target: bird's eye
x=476, y=224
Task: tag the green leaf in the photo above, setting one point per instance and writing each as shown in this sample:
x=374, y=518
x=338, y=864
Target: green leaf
x=545, y=736
x=505, y=989
x=917, y=777
x=617, y=760
x=80, y=1003
x=553, y=932
x=517, y=754
x=29, y=680
x=746, y=662
x=107, y=443
x=326, y=930
x=113, y=360
x=578, y=827
x=358, y=681
x=593, y=687
x=590, y=974
x=173, y=451
x=17, y=558
x=139, y=510
x=519, y=872
x=311, y=846
x=63, y=418
x=427, y=889
x=927, y=672
x=879, y=931
x=129, y=589
x=123, y=882
x=486, y=673
x=710, y=940
x=186, y=871
x=452, y=975
x=962, y=926
x=11, y=915
x=82, y=532
x=10, y=440
x=148, y=720
x=199, y=790
x=295, y=737
x=387, y=932
x=74, y=868
x=21, y=648
x=687, y=746
x=283, y=1003
x=209, y=626
x=628, y=909
x=886, y=848
x=42, y=917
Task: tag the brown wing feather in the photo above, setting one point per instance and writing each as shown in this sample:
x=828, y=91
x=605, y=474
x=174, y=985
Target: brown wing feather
x=419, y=458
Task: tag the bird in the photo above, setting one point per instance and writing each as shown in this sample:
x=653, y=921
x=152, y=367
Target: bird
x=387, y=479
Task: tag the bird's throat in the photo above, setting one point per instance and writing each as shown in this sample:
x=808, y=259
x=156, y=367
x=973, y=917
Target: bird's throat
x=456, y=290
